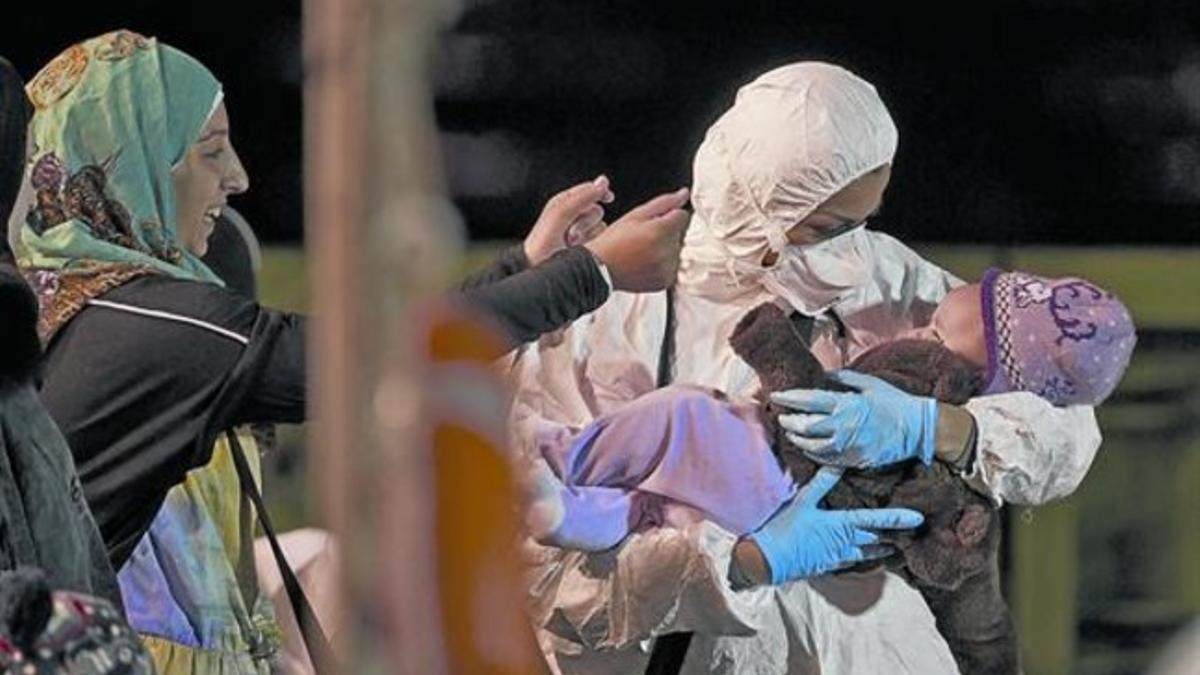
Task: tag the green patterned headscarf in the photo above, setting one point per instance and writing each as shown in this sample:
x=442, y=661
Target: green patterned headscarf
x=113, y=115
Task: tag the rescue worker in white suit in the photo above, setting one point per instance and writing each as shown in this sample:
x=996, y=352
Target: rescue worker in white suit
x=783, y=183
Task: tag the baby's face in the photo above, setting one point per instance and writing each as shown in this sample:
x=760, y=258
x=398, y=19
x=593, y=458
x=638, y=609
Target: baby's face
x=957, y=323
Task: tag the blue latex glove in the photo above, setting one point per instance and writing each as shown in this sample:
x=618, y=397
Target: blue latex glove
x=803, y=540
x=878, y=426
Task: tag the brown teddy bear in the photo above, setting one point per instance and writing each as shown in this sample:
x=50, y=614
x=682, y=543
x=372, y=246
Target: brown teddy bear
x=953, y=558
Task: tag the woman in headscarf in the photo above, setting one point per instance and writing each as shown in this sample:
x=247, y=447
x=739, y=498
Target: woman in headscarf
x=150, y=358
x=783, y=183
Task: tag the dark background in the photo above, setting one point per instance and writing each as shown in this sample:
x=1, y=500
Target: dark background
x=1027, y=121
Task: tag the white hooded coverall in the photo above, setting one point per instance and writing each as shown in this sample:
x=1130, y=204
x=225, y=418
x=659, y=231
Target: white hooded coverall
x=793, y=138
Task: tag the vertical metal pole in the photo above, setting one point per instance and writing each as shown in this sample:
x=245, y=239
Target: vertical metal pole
x=335, y=106
x=380, y=234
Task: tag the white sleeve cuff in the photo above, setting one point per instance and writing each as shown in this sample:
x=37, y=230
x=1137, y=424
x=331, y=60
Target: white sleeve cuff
x=605, y=273
x=1029, y=452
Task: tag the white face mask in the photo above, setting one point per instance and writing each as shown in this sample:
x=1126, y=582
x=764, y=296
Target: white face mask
x=813, y=278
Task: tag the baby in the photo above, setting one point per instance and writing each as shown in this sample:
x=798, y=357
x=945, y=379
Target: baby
x=1066, y=340
x=682, y=453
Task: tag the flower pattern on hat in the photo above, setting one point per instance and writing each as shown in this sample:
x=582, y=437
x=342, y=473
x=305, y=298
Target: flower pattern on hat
x=1067, y=340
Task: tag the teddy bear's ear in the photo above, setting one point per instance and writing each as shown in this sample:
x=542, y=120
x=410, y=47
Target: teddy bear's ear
x=973, y=523
x=753, y=321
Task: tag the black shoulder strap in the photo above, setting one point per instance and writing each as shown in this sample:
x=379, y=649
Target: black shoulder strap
x=666, y=351
x=310, y=627
x=671, y=649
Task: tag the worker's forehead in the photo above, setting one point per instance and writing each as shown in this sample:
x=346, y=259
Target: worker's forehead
x=861, y=196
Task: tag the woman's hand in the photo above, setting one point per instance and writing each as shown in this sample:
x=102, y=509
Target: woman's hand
x=570, y=218
x=641, y=249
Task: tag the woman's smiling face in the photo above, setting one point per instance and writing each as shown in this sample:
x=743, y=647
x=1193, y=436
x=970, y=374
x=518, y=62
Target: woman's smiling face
x=208, y=174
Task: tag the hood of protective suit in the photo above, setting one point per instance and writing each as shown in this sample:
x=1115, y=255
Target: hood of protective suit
x=794, y=137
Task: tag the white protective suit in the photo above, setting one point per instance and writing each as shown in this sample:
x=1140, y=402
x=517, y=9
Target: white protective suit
x=794, y=137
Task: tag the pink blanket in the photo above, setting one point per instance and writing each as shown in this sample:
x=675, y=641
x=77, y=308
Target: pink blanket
x=676, y=447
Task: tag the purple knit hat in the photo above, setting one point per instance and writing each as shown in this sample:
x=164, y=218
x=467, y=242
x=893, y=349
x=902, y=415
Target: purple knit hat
x=1066, y=340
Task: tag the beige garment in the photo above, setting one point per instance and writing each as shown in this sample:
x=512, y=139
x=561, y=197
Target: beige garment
x=793, y=138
